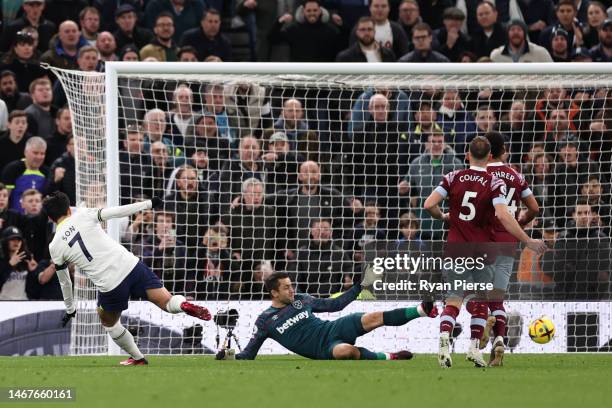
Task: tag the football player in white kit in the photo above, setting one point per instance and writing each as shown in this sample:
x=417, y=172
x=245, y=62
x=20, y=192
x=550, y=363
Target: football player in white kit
x=117, y=273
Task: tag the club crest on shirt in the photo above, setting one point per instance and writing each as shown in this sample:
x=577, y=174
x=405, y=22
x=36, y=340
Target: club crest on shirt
x=297, y=304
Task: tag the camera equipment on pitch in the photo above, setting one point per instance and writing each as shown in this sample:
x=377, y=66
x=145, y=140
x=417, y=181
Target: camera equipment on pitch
x=227, y=319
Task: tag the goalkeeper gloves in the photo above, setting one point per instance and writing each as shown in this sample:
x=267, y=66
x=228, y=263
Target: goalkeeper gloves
x=226, y=354
x=67, y=317
x=368, y=276
x=156, y=202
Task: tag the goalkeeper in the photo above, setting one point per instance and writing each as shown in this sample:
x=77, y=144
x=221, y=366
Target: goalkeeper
x=290, y=321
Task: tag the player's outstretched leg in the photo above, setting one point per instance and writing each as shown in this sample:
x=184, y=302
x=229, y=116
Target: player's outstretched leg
x=346, y=351
x=176, y=304
x=121, y=336
x=397, y=317
x=479, y=311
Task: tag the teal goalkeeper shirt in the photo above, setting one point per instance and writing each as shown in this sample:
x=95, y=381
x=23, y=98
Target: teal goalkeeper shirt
x=296, y=327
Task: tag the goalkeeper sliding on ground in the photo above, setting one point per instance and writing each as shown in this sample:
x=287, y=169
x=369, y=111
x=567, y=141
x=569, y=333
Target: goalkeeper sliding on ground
x=290, y=321
x=117, y=274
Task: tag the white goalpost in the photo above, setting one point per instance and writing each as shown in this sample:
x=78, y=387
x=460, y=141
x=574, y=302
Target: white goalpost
x=316, y=168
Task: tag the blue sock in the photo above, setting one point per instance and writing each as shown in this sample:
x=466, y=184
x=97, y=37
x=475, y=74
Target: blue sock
x=399, y=317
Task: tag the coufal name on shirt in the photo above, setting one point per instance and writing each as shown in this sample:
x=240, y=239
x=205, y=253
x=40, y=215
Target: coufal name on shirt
x=68, y=233
x=472, y=177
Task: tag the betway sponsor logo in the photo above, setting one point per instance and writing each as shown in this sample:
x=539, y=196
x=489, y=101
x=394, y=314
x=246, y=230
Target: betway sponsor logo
x=291, y=321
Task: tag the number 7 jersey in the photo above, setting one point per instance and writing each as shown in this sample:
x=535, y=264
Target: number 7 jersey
x=472, y=194
x=80, y=240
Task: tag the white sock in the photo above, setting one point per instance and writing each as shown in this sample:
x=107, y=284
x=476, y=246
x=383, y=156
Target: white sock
x=124, y=339
x=474, y=344
x=421, y=311
x=174, y=304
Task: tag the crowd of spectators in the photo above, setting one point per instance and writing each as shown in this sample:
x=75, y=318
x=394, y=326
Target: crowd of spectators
x=260, y=178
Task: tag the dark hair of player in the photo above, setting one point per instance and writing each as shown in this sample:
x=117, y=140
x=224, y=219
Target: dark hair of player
x=271, y=281
x=498, y=144
x=56, y=205
x=480, y=148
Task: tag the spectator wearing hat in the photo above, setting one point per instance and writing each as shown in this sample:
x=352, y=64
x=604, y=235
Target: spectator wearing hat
x=129, y=53
x=518, y=48
x=65, y=48
x=22, y=60
x=311, y=36
x=566, y=17
x=490, y=34
x=281, y=164
x=10, y=92
x=32, y=17
x=450, y=40
x=603, y=51
x=559, y=50
x=15, y=266
x=207, y=39
x=162, y=47
x=186, y=13
x=422, y=38
x=128, y=32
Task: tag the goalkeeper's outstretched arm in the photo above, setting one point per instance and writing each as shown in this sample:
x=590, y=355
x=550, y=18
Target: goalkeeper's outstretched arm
x=127, y=210
x=336, y=304
x=256, y=341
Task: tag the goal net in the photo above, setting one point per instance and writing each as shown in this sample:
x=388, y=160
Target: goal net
x=318, y=169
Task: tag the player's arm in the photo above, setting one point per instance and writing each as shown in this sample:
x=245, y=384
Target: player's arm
x=432, y=203
x=335, y=304
x=63, y=276
x=513, y=227
x=533, y=209
x=127, y=210
x=251, y=350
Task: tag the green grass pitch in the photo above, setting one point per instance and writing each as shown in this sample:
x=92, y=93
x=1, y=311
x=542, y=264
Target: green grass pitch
x=559, y=380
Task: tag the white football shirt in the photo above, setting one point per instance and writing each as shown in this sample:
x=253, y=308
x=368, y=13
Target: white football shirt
x=384, y=35
x=80, y=239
